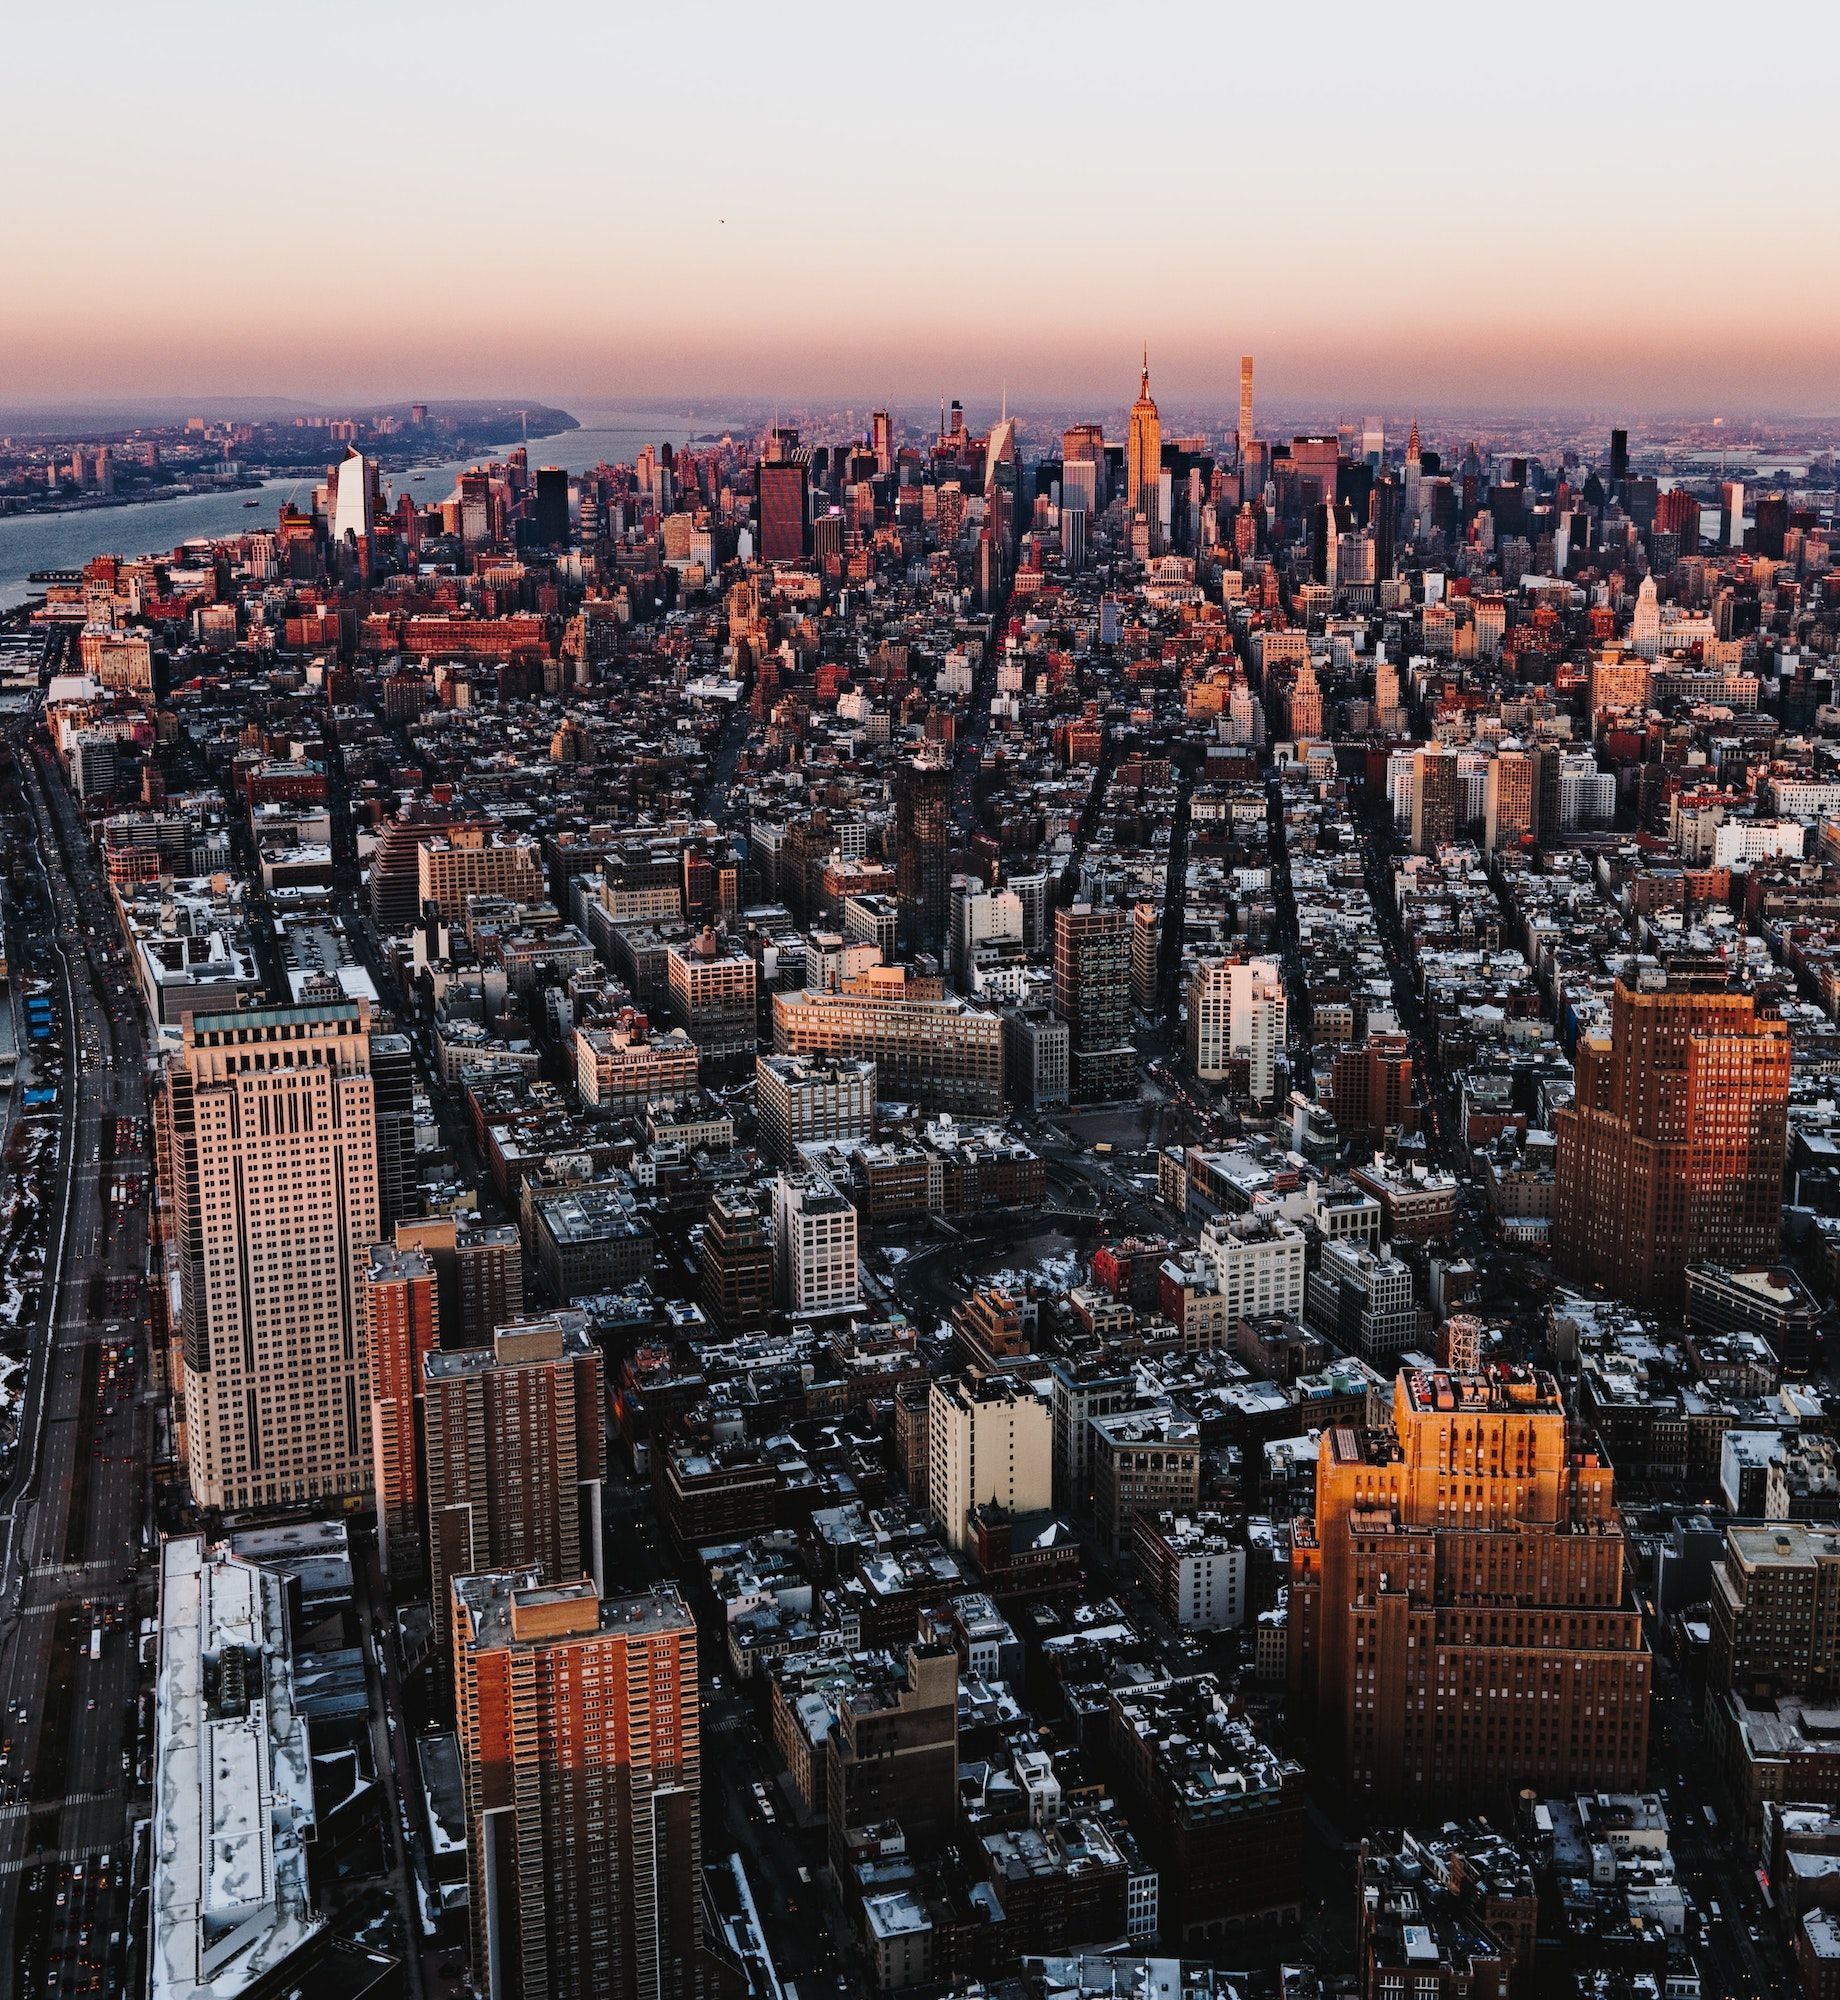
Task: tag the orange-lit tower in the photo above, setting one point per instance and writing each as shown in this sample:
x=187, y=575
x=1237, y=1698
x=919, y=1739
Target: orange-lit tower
x=1144, y=455
x=1457, y=1623
x=402, y=1323
x=1672, y=1148
x=581, y=1767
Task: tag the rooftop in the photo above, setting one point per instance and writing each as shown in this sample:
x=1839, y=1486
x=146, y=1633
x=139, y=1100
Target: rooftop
x=233, y=1787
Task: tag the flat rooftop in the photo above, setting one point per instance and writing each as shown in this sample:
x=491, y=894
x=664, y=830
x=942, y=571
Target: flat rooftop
x=233, y=1786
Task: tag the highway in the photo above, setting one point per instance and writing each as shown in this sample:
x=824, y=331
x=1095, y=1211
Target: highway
x=73, y=1515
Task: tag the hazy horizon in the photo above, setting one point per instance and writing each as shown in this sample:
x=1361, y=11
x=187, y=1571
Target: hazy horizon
x=717, y=409
x=841, y=203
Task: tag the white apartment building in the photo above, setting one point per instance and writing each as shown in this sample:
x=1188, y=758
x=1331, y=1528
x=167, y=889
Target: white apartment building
x=814, y=1246
x=1758, y=840
x=1258, y=1264
x=982, y=916
x=812, y=1100
x=1237, y=1009
x=989, y=1438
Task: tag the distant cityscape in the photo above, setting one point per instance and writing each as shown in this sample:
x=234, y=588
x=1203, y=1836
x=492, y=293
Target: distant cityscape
x=49, y=473
x=1034, y=1206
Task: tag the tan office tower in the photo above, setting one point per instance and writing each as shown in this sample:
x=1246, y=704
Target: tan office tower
x=580, y=1765
x=1509, y=800
x=270, y=1149
x=515, y=1452
x=1245, y=406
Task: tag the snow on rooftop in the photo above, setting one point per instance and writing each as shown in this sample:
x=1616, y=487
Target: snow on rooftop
x=233, y=1788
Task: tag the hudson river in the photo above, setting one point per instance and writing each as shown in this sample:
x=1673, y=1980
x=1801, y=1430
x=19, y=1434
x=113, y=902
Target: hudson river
x=31, y=542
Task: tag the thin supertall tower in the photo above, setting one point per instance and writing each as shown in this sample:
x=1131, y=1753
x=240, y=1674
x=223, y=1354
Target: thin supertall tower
x=1245, y=406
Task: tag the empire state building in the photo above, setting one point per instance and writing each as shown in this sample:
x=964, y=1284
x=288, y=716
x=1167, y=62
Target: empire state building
x=1144, y=457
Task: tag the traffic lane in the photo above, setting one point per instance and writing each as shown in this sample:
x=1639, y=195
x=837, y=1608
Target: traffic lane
x=811, y=1934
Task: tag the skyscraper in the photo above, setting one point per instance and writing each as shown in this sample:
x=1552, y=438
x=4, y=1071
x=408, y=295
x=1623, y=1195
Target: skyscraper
x=1386, y=527
x=1677, y=513
x=1002, y=482
x=393, y=1088
x=922, y=879
x=1672, y=1147
x=353, y=495
x=1731, y=513
x=1084, y=444
x=1144, y=457
x=1508, y=810
x=784, y=488
x=552, y=513
x=1092, y=994
x=270, y=1135
x=881, y=429
x=1245, y=406
x=475, y=511
x=516, y=1452
x=1435, y=799
x=1459, y=1622
x=1414, y=480
x=402, y=1324
x=581, y=1768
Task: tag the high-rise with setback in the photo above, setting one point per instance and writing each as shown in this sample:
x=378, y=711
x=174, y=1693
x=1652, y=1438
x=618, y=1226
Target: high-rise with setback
x=1459, y=1622
x=1144, y=456
x=270, y=1143
x=1673, y=1145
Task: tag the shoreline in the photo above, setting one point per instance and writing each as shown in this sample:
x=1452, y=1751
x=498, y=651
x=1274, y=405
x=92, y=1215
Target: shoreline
x=27, y=507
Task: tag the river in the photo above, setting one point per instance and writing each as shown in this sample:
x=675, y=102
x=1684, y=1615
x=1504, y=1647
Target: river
x=31, y=542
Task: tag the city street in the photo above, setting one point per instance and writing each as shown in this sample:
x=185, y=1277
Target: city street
x=73, y=1580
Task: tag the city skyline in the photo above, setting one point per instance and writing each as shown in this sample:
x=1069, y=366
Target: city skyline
x=1380, y=235
x=973, y=930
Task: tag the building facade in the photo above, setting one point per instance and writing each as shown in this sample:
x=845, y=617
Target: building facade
x=1459, y=1620
x=814, y=1246
x=581, y=1769
x=402, y=1324
x=1237, y=1013
x=1092, y=994
x=270, y=1138
x=989, y=1438
x=1673, y=1146
x=516, y=1452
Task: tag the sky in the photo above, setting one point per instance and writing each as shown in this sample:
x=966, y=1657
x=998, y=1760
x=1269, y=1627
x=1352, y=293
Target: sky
x=1584, y=206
